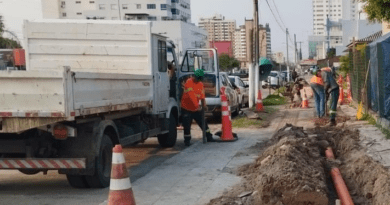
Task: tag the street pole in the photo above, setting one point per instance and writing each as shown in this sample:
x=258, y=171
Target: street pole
x=328, y=30
x=288, y=67
x=295, y=45
x=251, y=71
x=257, y=44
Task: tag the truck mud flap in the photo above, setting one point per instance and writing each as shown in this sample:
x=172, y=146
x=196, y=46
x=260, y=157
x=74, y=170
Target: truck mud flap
x=42, y=163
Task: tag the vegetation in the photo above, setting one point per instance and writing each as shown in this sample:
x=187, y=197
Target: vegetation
x=227, y=63
x=331, y=53
x=5, y=42
x=345, y=64
x=274, y=100
x=243, y=122
x=377, y=10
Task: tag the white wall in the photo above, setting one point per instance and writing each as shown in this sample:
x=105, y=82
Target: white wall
x=184, y=35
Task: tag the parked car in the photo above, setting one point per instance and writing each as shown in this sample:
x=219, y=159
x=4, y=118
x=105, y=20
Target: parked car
x=243, y=90
x=275, y=80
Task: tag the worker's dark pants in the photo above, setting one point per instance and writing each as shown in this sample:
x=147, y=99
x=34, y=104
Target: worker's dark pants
x=188, y=116
x=335, y=93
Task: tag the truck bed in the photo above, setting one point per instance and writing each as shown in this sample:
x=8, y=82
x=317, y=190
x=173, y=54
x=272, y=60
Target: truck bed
x=31, y=99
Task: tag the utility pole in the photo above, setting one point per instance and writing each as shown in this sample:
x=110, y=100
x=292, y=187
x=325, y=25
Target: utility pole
x=300, y=50
x=257, y=50
x=328, y=30
x=295, y=51
x=288, y=67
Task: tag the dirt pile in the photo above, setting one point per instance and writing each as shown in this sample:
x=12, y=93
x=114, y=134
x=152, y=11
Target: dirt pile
x=368, y=181
x=325, y=120
x=290, y=171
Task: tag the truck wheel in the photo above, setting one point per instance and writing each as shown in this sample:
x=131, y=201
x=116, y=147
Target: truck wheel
x=169, y=139
x=77, y=181
x=101, y=178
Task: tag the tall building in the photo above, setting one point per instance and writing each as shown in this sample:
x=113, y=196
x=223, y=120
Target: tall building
x=152, y=10
x=337, y=14
x=218, y=28
x=239, y=44
x=243, y=46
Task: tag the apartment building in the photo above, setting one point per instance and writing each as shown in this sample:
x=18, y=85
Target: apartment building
x=218, y=28
x=239, y=44
x=152, y=10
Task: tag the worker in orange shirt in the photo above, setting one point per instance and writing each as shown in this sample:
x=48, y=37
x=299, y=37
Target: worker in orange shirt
x=317, y=85
x=192, y=94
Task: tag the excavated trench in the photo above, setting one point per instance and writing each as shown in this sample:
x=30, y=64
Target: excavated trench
x=292, y=170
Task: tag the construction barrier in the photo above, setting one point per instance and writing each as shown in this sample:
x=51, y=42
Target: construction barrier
x=259, y=102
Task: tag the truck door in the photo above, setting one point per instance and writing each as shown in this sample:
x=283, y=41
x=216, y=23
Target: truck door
x=161, y=79
x=206, y=59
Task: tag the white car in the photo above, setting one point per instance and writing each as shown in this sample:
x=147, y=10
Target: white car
x=274, y=80
x=243, y=90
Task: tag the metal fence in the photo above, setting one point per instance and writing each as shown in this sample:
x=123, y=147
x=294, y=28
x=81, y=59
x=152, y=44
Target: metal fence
x=359, y=65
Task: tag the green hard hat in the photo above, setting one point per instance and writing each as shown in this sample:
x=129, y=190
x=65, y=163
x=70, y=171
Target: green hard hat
x=199, y=73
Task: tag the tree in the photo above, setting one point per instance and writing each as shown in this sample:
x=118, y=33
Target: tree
x=345, y=64
x=6, y=42
x=331, y=53
x=377, y=10
x=226, y=62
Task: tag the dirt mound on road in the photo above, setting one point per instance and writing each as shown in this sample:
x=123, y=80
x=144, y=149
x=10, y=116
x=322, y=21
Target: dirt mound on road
x=290, y=171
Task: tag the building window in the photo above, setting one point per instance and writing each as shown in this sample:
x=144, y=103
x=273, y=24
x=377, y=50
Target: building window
x=102, y=7
x=124, y=6
x=151, y=6
x=163, y=7
x=114, y=7
x=91, y=2
x=79, y=13
x=174, y=1
x=62, y=4
x=152, y=18
x=138, y=6
x=78, y=2
x=63, y=14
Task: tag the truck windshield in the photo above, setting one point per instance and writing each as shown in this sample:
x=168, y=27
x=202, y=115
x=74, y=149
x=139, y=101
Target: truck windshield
x=207, y=63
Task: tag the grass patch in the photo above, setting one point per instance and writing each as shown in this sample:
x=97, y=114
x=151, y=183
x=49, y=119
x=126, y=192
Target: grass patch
x=274, y=100
x=244, y=122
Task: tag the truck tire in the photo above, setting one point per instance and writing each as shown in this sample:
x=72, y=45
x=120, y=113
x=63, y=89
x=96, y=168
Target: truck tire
x=169, y=139
x=101, y=178
x=77, y=181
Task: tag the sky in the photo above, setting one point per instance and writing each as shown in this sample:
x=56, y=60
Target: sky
x=295, y=14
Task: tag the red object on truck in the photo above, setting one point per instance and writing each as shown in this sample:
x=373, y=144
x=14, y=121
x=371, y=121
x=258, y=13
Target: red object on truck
x=19, y=57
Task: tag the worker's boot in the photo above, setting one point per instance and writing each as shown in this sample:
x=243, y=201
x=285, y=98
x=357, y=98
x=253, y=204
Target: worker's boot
x=210, y=137
x=332, y=122
x=187, y=141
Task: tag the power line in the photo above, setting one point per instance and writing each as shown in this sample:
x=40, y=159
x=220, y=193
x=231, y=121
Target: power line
x=281, y=27
x=277, y=11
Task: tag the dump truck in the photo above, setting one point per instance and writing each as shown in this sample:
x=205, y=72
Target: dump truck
x=88, y=85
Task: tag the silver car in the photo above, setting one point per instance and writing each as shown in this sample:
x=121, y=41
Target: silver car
x=243, y=90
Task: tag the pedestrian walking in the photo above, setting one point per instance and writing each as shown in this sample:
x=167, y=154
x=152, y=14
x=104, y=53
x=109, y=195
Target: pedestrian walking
x=317, y=86
x=192, y=94
x=332, y=89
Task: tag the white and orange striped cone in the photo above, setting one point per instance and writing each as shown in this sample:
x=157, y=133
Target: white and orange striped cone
x=349, y=93
x=259, y=103
x=121, y=192
x=305, y=101
x=227, y=133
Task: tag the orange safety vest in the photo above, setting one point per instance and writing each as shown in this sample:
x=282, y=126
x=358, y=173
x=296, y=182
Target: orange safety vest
x=317, y=80
x=192, y=93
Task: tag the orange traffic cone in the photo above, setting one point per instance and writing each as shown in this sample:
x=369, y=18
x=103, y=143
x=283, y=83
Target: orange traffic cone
x=349, y=93
x=121, y=192
x=341, y=95
x=259, y=103
x=227, y=134
x=305, y=101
